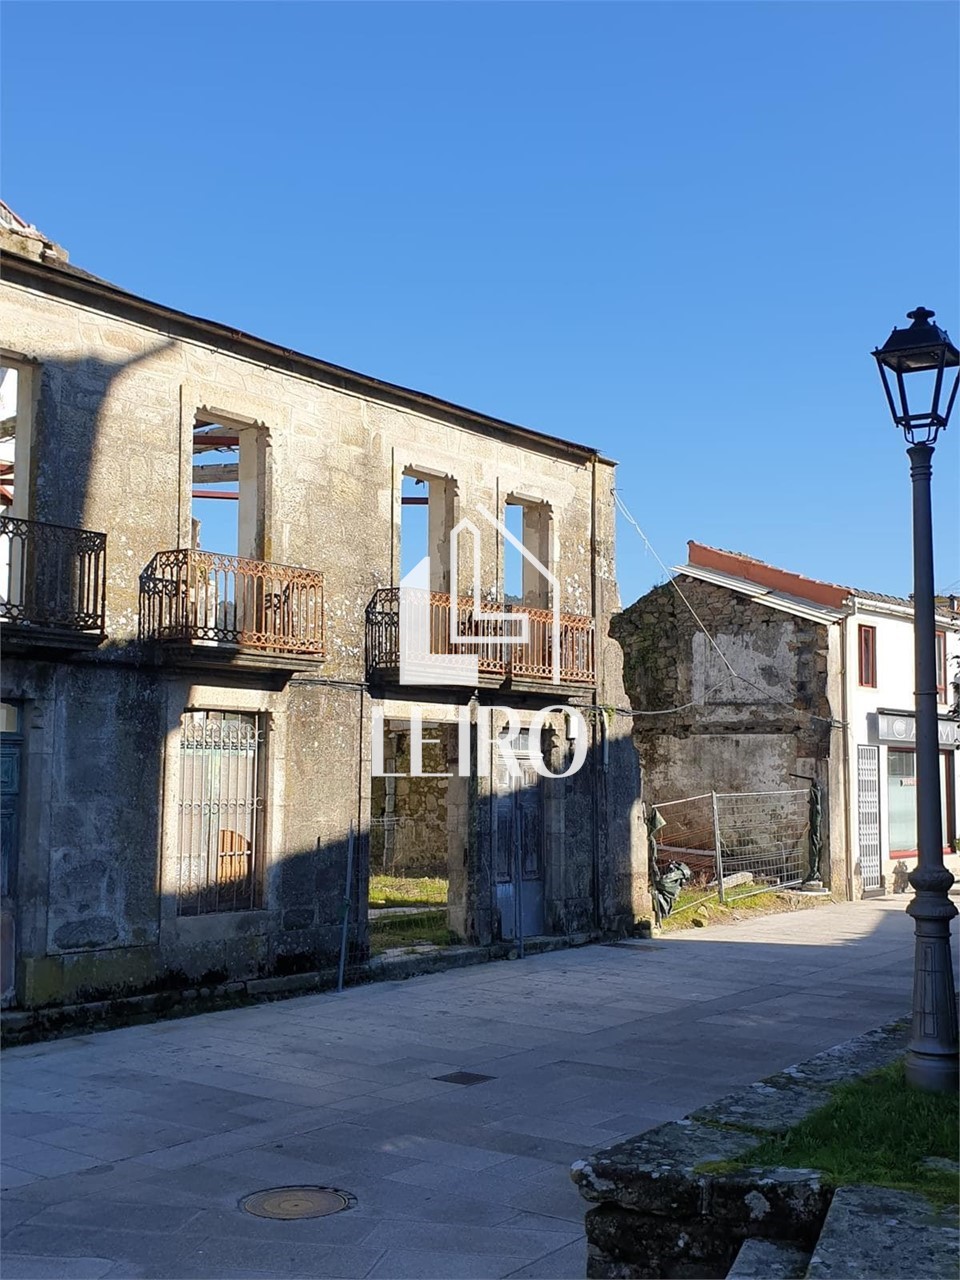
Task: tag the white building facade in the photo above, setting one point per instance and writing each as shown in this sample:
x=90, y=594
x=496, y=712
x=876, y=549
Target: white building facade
x=881, y=729
x=794, y=678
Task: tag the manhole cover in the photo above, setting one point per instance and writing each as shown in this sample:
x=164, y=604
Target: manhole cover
x=464, y=1077
x=296, y=1202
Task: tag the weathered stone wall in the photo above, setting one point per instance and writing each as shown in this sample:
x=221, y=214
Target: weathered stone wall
x=119, y=389
x=113, y=448
x=93, y=744
x=409, y=835
x=622, y=870
x=733, y=735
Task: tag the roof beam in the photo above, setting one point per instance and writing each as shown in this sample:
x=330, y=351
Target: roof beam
x=202, y=442
x=216, y=473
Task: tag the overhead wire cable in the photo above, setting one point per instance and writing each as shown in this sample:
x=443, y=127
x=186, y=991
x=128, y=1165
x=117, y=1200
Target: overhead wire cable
x=628, y=515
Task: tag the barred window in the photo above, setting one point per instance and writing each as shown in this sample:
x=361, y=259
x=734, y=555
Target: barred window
x=221, y=811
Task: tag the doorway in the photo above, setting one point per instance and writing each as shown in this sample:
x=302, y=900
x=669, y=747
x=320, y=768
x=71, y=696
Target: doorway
x=519, y=835
x=11, y=760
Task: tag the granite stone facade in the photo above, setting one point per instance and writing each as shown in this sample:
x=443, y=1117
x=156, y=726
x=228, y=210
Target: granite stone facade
x=113, y=389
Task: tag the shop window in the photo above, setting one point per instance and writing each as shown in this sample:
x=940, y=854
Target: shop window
x=902, y=802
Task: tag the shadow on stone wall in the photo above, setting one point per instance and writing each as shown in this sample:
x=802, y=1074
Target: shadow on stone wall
x=111, y=934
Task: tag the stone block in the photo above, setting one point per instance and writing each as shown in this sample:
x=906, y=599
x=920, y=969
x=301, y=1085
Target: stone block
x=783, y=1204
x=763, y=1107
x=667, y=1203
x=768, y=1260
x=656, y=1172
x=875, y=1233
x=857, y=1057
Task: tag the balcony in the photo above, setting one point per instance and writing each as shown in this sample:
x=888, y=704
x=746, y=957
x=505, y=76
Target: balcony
x=224, y=610
x=52, y=585
x=498, y=661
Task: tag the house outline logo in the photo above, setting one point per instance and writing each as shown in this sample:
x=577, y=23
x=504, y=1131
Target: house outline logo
x=418, y=664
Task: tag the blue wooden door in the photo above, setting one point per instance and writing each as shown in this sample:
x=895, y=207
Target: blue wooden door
x=519, y=853
x=11, y=744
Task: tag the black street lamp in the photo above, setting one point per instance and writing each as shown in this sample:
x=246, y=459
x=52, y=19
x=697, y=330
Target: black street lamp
x=925, y=349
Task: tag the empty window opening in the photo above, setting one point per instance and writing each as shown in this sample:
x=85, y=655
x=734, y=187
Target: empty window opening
x=426, y=517
x=227, y=489
x=512, y=558
x=15, y=422
x=523, y=581
x=214, y=524
x=221, y=811
x=16, y=418
x=414, y=522
x=9, y=381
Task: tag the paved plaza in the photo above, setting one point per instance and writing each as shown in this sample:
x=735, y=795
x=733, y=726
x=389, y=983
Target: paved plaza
x=125, y=1153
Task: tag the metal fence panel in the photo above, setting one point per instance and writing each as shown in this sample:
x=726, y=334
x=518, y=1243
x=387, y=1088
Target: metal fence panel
x=689, y=836
x=759, y=840
x=765, y=834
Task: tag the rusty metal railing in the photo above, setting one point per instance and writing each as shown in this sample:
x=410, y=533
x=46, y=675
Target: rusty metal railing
x=52, y=576
x=206, y=598
x=532, y=661
x=433, y=637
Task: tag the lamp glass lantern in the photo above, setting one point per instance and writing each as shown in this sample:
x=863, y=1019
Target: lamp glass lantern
x=922, y=348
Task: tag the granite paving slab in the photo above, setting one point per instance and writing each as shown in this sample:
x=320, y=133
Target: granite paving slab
x=139, y=1142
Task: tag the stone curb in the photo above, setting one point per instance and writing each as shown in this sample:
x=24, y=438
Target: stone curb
x=659, y=1210
x=25, y=1026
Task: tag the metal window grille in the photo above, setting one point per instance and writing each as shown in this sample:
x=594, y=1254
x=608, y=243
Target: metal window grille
x=868, y=815
x=221, y=811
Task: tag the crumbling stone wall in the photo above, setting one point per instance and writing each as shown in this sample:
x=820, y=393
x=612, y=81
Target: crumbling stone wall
x=120, y=386
x=730, y=734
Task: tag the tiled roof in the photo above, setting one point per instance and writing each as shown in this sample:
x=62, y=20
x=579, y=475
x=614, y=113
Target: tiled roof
x=880, y=597
x=830, y=594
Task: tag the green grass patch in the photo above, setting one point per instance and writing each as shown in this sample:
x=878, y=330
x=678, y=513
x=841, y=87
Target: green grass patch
x=407, y=931
x=744, y=897
x=400, y=891
x=878, y=1130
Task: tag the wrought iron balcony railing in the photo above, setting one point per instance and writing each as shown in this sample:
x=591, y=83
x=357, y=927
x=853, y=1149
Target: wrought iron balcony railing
x=496, y=656
x=52, y=577
x=201, y=597
x=534, y=660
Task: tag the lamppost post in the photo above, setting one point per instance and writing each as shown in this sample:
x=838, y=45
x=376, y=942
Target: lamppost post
x=932, y=1054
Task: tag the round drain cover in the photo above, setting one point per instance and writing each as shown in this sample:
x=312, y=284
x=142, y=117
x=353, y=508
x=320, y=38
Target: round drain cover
x=296, y=1202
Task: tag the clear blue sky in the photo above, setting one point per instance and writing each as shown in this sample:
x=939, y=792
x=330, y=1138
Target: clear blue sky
x=673, y=231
